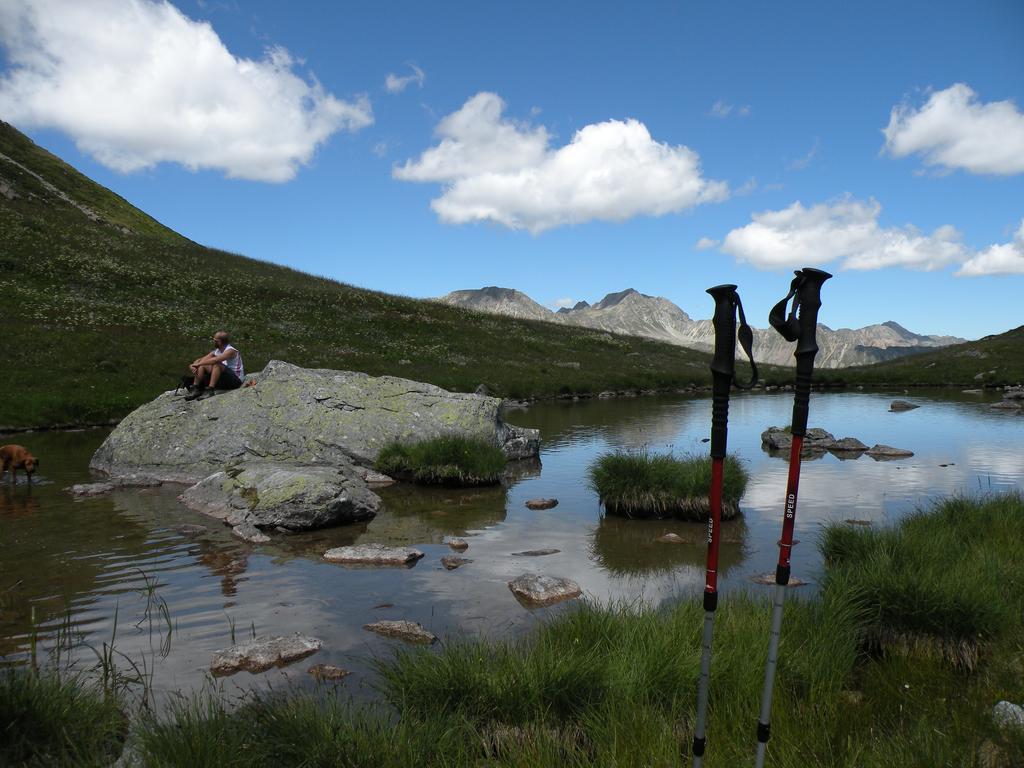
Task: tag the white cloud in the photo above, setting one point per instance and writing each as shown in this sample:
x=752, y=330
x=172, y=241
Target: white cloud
x=396, y=84
x=1003, y=259
x=724, y=109
x=497, y=169
x=136, y=83
x=705, y=244
x=565, y=303
x=955, y=130
x=846, y=230
x=802, y=162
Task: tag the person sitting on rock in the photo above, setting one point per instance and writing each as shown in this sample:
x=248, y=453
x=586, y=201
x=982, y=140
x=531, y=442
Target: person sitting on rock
x=221, y=369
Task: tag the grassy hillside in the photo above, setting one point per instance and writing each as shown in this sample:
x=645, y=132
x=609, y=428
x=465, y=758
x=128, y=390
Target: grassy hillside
x=101, y=309
x=992, y=361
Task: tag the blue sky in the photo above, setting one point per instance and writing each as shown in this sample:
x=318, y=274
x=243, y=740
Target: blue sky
x=564, y=149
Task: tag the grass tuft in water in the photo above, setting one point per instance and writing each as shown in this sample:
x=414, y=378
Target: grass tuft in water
x=643, y=484
x=451, y=460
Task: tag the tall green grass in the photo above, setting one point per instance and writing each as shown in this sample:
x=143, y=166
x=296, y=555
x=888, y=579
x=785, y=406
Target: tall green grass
x=948, y=579
x=641, y=484
x=448, y=460
x=49, y=721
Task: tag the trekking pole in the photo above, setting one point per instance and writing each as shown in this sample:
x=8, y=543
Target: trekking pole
x=723, y=372
x=805, y=291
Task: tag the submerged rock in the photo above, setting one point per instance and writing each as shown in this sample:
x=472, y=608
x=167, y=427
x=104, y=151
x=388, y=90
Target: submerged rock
x=112, y=484
x=902, y=405
x=769, y=579
x=328, y=672
x=880, y=451
x=536, y=553
x=542, y=503
x=373, y=554
x=671, y=538
x=261, y=654
x=409, y=631
x=459, y=545
x=451, y=562
x=250, y=533
x=1009, y=405
x=276, y=495
x=535, y=589
x=90, y=489
x=299, y=416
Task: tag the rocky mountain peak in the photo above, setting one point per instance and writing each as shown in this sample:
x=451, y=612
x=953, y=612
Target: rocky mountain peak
x=615, y=298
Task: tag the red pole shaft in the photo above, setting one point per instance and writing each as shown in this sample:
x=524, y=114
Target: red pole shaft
x=789, y=518
x=714, y=524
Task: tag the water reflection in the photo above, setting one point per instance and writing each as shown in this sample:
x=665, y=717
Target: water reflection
x=631, y=547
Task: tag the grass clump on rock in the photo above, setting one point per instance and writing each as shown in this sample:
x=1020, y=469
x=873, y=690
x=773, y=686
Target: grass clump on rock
x=450, y=460
x=662, y=485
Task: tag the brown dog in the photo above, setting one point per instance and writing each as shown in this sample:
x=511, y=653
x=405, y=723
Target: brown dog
x=17, y=457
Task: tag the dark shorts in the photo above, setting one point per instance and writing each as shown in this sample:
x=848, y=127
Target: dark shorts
x=228, y=379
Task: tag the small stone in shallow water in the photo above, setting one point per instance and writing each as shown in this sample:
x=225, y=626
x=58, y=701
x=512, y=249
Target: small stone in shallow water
x=191, y=530
x=534, y=589
x=769, y=579
x=261, y=654
x=409, y=631
x=879, y=451
x=91, y=489
x=671, y=538
x=328, y=672
x=902, y=405
x=456, y=543
x=536, y=553
x=250, y=533
x=542, y=503
x=451, y=562
x=852, y=521
x=373, y=554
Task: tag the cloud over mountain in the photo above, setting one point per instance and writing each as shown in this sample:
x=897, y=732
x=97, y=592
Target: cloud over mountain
x=1001, y=259
x=136, y=83
x=493, y=168
x=954, y=129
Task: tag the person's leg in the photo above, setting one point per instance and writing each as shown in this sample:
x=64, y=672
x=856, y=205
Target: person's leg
x=202, y=372
x=215, y=375
x=227, y=379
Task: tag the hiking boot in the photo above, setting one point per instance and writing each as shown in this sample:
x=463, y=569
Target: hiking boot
x=196, y=394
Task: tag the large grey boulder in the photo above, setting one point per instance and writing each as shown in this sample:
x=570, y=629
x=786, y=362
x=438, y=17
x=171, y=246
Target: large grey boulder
x=536, y=589
x=298, y=416
x=260, y=654
x=278, y=495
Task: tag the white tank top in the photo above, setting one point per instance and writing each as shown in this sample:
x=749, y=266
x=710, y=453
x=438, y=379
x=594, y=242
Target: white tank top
x=234, y=364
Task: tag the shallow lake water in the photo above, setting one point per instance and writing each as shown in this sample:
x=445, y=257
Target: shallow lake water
x=84, y=565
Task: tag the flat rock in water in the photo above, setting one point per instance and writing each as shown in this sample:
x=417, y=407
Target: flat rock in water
x=902, y=405
x=848, y=445
x=373, y=477
x=299, y=416
x=192, y=530
x=1006, y=714
x=250, y=533
x=1009, y=405
x=542, y=503
x=373, y=554
x=409, y=631
x=769, y=579
x=90, y=489
x=880, y=451
x=459, y=545
x=328, y=672
x=816, y=439
x=261, y=654
x=279, y=495
x=671, y=538
x=451, y=562
x=853, y=521
x=536, y=553
x=535, y=589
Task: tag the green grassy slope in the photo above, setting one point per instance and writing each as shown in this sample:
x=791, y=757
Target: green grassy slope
x=100, y=313
x=991, y=361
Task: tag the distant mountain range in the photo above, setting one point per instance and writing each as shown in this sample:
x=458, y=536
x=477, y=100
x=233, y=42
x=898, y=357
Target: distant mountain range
x=633, y=313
